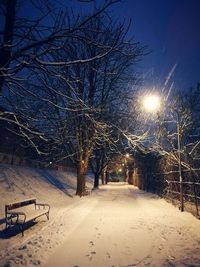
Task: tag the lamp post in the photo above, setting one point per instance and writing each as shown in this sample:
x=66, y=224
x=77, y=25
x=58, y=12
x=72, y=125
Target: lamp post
x=126, y=168
x=179, y=161
x=151, y=103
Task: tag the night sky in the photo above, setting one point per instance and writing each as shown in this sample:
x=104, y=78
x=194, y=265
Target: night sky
x=171, y=29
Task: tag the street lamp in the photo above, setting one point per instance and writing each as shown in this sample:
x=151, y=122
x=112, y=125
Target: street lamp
x=152, y=103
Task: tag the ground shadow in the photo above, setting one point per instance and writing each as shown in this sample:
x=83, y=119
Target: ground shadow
x=53, y=180
x=2, y=221
x=44, y=174
x=15, y=230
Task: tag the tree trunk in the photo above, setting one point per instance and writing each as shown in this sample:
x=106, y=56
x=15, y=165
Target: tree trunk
x=103, y=177
x=107, y=177
x=5, y=50
x=96, y=180
x=81, y=189
x=126, y=175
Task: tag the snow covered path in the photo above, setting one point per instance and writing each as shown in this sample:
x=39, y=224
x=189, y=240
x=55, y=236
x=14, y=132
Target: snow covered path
x=120, y=225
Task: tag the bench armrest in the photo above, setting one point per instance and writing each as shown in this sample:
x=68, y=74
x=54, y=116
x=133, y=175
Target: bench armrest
x=14, y=215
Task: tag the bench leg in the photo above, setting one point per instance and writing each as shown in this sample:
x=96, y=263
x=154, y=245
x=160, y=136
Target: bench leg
x=21, y=227
x=7, y=225
x=47, y=214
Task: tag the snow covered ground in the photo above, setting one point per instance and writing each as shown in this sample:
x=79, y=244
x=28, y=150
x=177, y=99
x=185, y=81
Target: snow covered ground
x=117, y=225
x=48, y=186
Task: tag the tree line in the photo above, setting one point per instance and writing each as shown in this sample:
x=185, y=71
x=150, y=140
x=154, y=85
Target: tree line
x=64, y=80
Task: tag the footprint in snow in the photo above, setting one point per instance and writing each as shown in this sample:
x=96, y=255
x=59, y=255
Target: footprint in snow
x=89, y=257
x=91, y=243
x=98, y=235
x=23, y=247
x=108, y=255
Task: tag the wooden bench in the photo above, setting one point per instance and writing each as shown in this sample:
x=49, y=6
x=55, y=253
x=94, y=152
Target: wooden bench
x=21, y=212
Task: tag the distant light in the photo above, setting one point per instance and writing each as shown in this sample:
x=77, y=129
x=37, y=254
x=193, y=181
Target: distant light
x=127, y=155
x=120, y=170
x=50, y=163
x=151, y=103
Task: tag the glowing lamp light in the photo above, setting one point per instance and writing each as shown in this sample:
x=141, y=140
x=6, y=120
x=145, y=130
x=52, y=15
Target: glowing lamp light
x=151, y=103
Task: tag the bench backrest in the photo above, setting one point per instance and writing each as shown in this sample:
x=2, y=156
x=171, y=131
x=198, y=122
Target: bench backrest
x=15, y=205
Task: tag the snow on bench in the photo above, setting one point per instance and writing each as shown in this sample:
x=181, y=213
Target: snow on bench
x=21, y=212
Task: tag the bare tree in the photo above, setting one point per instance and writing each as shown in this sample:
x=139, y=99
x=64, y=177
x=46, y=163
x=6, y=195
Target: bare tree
x=27, y=46
x=66, y=82
x=78, y=106
x=177, y=130
x=25, y=40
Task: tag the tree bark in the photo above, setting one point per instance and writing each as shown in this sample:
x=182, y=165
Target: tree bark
x=107, y=177
x=80, y=189
x=103, y=177
x=96, y=180
x=6, y=48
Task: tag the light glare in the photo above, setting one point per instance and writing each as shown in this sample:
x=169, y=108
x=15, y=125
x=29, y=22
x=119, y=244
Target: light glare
x=151, y=103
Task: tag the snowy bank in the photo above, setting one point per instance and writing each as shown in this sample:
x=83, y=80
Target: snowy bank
x=49, y=186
